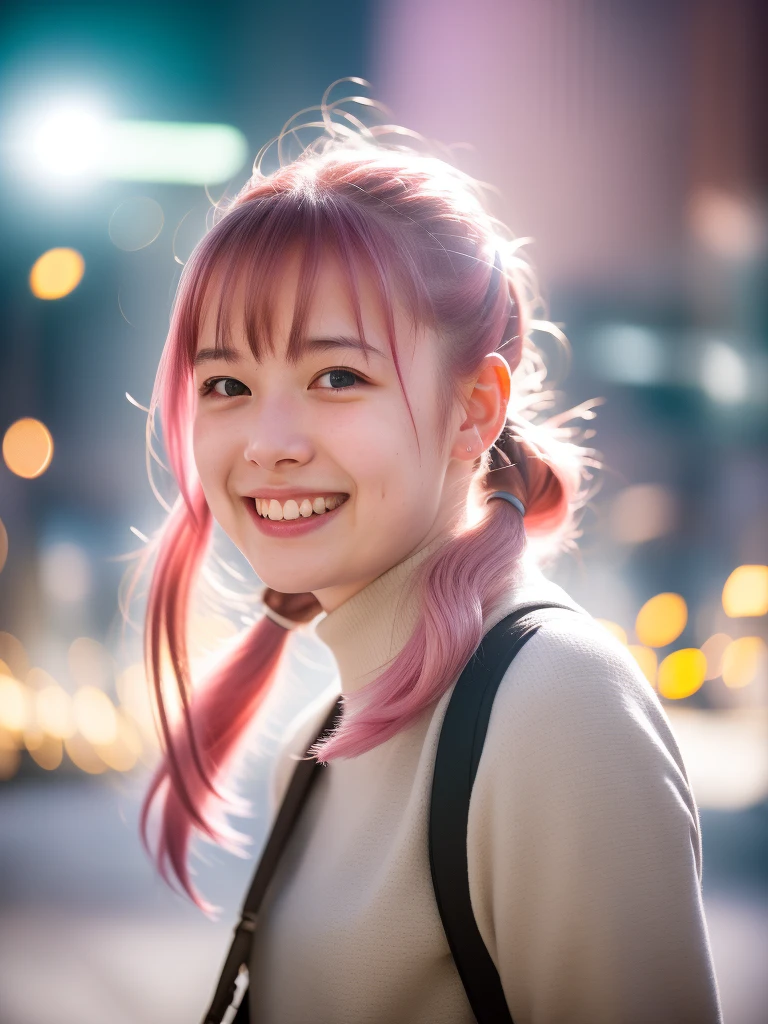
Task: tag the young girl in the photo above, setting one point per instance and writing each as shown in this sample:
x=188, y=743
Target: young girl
x=348, y=389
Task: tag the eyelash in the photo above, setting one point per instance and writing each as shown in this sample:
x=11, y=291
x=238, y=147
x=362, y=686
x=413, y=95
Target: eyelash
x=206, y=388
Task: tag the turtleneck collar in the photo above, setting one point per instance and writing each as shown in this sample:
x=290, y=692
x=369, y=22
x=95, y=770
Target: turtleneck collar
x=372, y=626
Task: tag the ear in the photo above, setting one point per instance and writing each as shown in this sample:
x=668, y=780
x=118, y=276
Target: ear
x=486, y=400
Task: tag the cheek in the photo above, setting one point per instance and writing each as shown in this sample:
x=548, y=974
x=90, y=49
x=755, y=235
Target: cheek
x=382, y=456
x=202, y=451
x=211, y=461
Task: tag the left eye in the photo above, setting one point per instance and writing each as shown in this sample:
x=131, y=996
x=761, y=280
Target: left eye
x=340, y=379
x=231, y=384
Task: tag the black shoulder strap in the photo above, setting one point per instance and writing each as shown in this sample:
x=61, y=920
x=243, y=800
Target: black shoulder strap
x=458, y=756
x=303, y=776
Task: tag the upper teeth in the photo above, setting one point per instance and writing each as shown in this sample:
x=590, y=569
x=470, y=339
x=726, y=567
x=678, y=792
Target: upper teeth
x=293, y=508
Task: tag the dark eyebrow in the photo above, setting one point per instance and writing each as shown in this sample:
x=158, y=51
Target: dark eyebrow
x=207, y=355
x=231, y=355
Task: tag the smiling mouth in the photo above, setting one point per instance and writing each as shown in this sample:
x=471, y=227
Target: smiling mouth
x=293, y=510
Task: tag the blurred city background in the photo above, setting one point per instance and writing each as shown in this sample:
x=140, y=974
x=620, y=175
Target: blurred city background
x=629, y=141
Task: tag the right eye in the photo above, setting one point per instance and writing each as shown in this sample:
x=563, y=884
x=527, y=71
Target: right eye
x=229, y=389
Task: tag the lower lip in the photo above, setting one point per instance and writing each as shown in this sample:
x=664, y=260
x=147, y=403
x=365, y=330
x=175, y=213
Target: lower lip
x=290, y=527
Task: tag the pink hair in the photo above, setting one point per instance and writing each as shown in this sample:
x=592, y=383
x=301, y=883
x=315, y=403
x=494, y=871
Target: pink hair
x=418, y=227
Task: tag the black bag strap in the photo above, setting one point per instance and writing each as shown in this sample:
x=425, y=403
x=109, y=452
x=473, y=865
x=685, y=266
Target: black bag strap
x=458, y=755
x=295, y=797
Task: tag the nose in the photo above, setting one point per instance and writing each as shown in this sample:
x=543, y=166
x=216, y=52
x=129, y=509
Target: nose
x=275, y=437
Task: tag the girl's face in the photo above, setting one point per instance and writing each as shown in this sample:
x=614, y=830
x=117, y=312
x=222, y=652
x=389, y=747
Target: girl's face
x=268, y=434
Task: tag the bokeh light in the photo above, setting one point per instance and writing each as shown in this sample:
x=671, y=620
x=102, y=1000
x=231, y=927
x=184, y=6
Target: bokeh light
x=90, y=664
x=133, y=693
x=38, y=678
x=56, y=273
x=74, y=141
x=724, y=373
x=53, y=708
x=27, y=448
x=628, y=354
x=682, y=673
x=162, y=151
x=713, y=650
x=13, y=654
x=67, y=139
x=33, y=737
x=661, y=620
x=82, y=754
x=746, y=591
x=647, y=659
x=136, y=223
x=727, y=225
x=47, y=751
x=642, y=512
x=95, y=715
x=743, y=660
x=123, y=753
x=15, y=704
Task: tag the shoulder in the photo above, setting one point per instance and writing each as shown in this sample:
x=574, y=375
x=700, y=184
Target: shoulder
x=583, y=839
x=299, y=734
x=577, y=730
x=572, y=670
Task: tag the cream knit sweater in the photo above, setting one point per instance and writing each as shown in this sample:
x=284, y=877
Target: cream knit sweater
x=583, y=843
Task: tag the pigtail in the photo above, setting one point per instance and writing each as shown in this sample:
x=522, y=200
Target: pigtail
x=200, y=745
x=221, y=712
x=546, y=471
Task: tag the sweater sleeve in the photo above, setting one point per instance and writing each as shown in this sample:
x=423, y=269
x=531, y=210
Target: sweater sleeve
x=584, y=845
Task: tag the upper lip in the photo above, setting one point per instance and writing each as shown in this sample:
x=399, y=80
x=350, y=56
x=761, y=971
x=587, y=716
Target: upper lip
x=282, y=494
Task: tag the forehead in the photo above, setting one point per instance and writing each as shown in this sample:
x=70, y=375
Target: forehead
x=297, y=303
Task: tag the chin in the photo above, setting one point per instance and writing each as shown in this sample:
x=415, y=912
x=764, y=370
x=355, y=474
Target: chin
x=284, y=581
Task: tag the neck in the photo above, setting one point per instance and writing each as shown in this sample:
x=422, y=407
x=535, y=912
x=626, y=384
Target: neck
x=371, y=626
x=331, y=598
